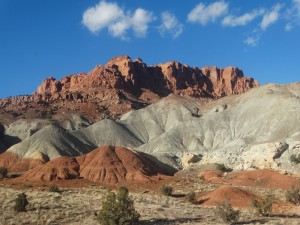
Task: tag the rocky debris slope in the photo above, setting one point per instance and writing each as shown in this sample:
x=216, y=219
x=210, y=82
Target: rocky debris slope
x=120, y=86
x=107, y=165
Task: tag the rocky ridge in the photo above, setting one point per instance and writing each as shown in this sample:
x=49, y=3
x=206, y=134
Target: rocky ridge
x=120, y=86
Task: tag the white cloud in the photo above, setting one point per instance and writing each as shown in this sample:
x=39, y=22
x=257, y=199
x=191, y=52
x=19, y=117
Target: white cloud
x=252, y=41
x=253, y=38
x=288, y=27
x=271, y=16
x=170, y=25
x=243, y=20
x=111, y=16
x=140, y=21
x=297, y=7
x=102, y=15
x=293, y=15
x=204, y=14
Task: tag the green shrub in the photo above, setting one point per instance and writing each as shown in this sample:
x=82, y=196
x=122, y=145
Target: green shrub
x=191, y=197
x=293, y=196
x=54, y=188
x=3, y=172
x=166, y=190
x=227, y=213
x=223, y=168
x=264, y=207
x=118, y=209
x=295, y=159
x=21, y=202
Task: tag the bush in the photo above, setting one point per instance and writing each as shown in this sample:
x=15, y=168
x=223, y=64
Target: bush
x=118, y=209
x=3, y=172
x=166, y=190
x=227, y=213
x=264, y=207
x=20, y=203
x=295, y=159
x=223, y=168
x=191, y=197
x=293, y=196
x=54, y=188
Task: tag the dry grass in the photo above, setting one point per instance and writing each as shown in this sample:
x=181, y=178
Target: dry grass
x=79, y=205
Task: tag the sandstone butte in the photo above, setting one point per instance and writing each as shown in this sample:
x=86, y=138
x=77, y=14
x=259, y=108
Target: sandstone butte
x=124, y=84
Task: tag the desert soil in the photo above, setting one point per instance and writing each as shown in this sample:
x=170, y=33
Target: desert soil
x=80, y=204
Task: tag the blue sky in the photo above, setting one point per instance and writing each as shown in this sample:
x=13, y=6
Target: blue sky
x=61, y=37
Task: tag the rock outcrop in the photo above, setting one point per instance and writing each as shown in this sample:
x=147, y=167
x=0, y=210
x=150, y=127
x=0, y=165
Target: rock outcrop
x=258, y=129
x=120, y=86
x=121, y=73
x=107, y=164
x=237, y=197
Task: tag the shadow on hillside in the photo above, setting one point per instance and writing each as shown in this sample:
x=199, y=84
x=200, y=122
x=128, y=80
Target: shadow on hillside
x=169, y=221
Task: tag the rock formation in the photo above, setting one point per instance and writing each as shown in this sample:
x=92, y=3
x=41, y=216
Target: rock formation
x=121, y=73
x=258, y=129
x=107, y=164
x=120, y=86
x=237, y=197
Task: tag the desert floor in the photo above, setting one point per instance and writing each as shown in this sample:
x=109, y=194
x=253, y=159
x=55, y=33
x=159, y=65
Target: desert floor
x=80, y=205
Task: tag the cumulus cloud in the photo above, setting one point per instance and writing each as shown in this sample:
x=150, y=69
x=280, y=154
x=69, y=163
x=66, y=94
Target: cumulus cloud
x=204, y=14
x=116, y=20
x=243, y=20
x=271, y=17
x=140, y=21
x=170, y=25
x=102, y=15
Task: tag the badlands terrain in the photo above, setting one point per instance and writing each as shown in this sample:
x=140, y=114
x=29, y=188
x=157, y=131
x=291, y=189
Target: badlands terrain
x=208, y=130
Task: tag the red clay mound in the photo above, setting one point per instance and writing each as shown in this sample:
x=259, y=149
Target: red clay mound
x=109, y=164
x=13, y=163
x=58, y=169
x=263, y=178
x=236, y=196
x=211, y=176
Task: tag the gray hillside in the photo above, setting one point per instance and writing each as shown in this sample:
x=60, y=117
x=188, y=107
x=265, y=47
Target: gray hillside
x=258, y=129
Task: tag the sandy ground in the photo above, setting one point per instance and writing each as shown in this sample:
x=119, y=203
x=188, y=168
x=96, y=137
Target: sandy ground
x=80, y=206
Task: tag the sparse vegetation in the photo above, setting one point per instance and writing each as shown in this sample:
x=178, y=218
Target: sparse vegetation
x=118, y=209
x=191, y=197
x=166, y=190
x=293, y=196
x=21, y=202
x=54, y=188
x=3, y=172
x=227, y=213
x=264, y=207
x=223, y=168
x=2, y=130
x=295, y=158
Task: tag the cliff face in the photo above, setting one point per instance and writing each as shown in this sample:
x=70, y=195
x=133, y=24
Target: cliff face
x=122, y=85
x=122, y=73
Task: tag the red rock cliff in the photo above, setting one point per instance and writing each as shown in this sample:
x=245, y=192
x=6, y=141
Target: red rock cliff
x=134, y=76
